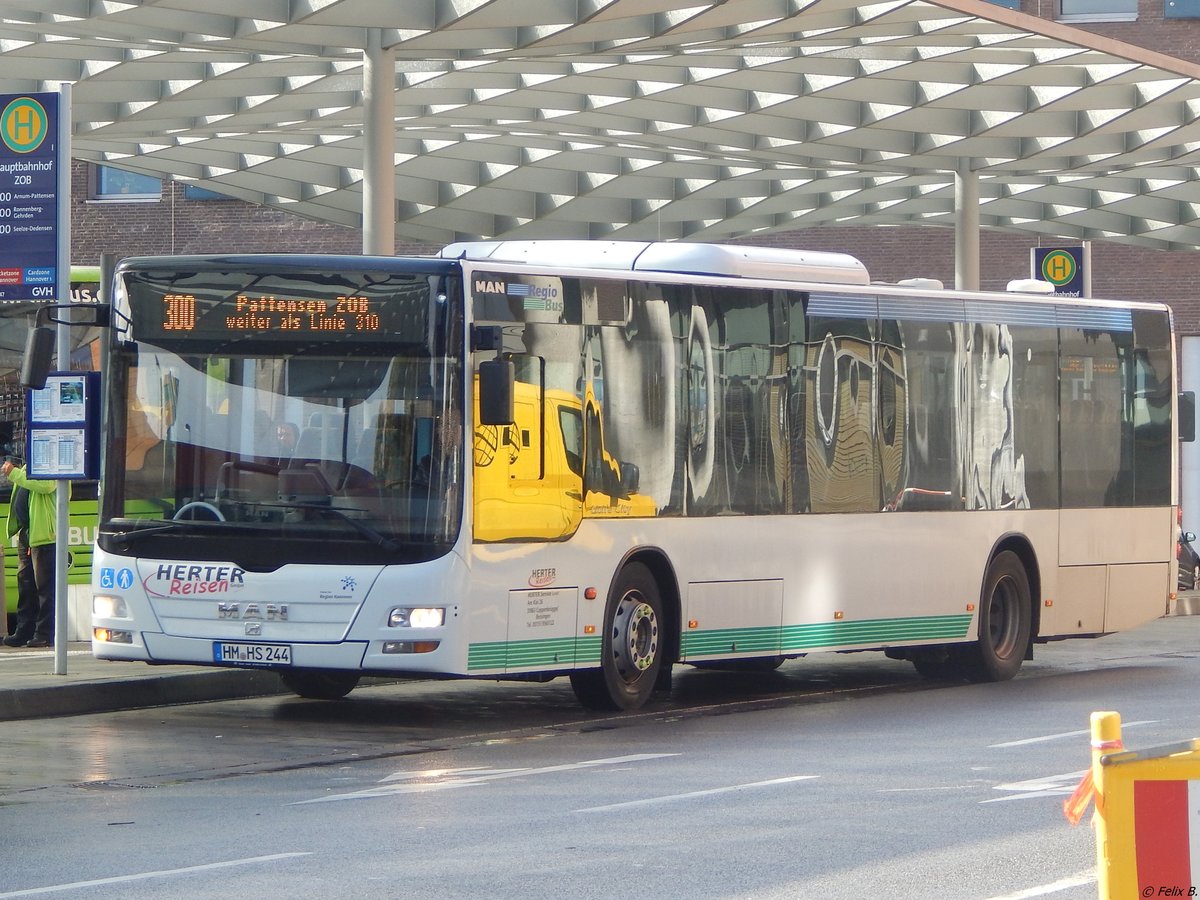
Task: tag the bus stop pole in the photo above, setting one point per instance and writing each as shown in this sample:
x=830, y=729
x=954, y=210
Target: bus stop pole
x=63, y=352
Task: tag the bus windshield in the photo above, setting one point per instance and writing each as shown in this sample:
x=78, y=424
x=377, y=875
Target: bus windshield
x=239, y=423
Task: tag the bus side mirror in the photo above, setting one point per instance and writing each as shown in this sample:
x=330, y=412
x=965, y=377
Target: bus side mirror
x=1187, y=416
x=631, y=476
x=39, y=353
x=496, y=392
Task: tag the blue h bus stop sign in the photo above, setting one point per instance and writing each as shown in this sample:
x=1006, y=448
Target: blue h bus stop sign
x=1063, y=267
x=29, y=196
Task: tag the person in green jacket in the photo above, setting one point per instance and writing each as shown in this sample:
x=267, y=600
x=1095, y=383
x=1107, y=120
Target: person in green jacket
x=35, y=541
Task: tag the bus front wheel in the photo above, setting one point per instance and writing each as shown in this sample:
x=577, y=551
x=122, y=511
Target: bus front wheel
x=316, y=685
x=1005, y=613
x=632, y=647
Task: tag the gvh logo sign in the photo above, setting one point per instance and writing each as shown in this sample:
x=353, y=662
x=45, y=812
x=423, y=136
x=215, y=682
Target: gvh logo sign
x=1063, y=267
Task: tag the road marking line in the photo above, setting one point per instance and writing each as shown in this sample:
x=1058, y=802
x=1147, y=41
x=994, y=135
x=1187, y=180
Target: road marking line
x=474, y=772
x=484, y=776
x=1062, y=884
x=142, y=876
x=672, y=797
x=1047, y=786
x=1063, y=735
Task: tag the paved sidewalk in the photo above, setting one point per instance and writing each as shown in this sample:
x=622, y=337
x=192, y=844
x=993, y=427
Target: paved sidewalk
x=29, y=689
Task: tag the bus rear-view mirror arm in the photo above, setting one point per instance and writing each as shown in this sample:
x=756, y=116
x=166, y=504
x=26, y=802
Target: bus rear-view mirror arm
x=39, y=345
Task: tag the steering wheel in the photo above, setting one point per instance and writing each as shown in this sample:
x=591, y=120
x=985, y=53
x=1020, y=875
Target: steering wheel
x=198, y=504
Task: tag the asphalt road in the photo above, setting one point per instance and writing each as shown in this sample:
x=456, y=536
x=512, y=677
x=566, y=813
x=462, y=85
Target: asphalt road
x=840, y=776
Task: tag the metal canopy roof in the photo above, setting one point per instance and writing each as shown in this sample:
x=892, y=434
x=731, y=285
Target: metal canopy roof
x=644, y=119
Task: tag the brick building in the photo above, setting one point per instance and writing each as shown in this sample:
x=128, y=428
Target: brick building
x=178, y=220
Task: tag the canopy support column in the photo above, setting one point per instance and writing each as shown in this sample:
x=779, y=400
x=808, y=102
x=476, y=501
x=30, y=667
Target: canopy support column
x=379, y=167
x=966, y=227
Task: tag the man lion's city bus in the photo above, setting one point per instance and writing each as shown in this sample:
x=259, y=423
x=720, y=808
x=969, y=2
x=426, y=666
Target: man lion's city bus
x=16, y=319
x=602, y=459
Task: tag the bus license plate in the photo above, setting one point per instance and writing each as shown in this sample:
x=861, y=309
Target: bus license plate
x=252, y=654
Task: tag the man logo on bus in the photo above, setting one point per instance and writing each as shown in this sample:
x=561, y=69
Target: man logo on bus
x=24, y=125
x=1059, y=268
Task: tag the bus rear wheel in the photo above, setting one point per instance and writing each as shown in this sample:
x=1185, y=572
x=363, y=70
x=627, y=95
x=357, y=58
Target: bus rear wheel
x=1005, y=614
x=632, y=649
x=316, y=685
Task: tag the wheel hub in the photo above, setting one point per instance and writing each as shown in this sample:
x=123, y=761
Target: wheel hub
x=635, y=642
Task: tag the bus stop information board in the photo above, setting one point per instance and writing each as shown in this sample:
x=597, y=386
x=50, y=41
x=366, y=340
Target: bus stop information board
x=62, y=427
x=28, y=196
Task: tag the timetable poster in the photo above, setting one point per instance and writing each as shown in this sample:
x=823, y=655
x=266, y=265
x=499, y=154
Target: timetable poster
x=63, y=427
x=63, y=399
x=57, y=453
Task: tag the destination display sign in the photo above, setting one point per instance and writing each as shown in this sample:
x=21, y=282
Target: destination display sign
x=28, y=196
x=257, y=313
x=241, y=306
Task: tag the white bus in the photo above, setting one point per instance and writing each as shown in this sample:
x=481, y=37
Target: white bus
x=602, y=459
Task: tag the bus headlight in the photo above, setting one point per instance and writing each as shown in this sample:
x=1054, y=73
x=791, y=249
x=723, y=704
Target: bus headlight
x=110, y=636
x=416, y=617
x=108, y=607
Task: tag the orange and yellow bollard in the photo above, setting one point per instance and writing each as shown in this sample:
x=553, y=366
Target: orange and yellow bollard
x=1147, y=818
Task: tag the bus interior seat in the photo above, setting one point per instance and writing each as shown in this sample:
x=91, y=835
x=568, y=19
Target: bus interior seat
x=315, y=438
x=364, y=452
x=320, y=445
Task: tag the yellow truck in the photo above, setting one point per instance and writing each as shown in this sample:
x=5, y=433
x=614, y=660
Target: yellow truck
x=539, y=475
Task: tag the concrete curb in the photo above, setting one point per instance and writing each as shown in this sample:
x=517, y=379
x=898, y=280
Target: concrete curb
x=109, y=695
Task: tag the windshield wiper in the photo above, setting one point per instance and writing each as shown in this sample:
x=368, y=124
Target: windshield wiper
x=362, y=528
x=135, y=534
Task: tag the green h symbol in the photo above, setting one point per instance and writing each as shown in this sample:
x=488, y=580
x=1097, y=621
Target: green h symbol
x=24, y=125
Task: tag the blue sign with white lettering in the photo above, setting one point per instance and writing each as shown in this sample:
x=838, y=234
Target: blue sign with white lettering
x=29, y=199
x=1063, y=267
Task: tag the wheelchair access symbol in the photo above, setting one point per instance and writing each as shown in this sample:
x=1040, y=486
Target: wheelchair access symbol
x=120, y=578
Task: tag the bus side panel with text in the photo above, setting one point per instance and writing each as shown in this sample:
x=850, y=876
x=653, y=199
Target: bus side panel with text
x=601, y=459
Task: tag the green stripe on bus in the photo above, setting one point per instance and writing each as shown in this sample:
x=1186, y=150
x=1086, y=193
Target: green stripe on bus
x=726, y=640
x=793, y=638
x=542, y=652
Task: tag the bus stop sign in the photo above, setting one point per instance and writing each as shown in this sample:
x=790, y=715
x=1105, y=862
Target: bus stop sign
x=1063, y=267
x=28, y=196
